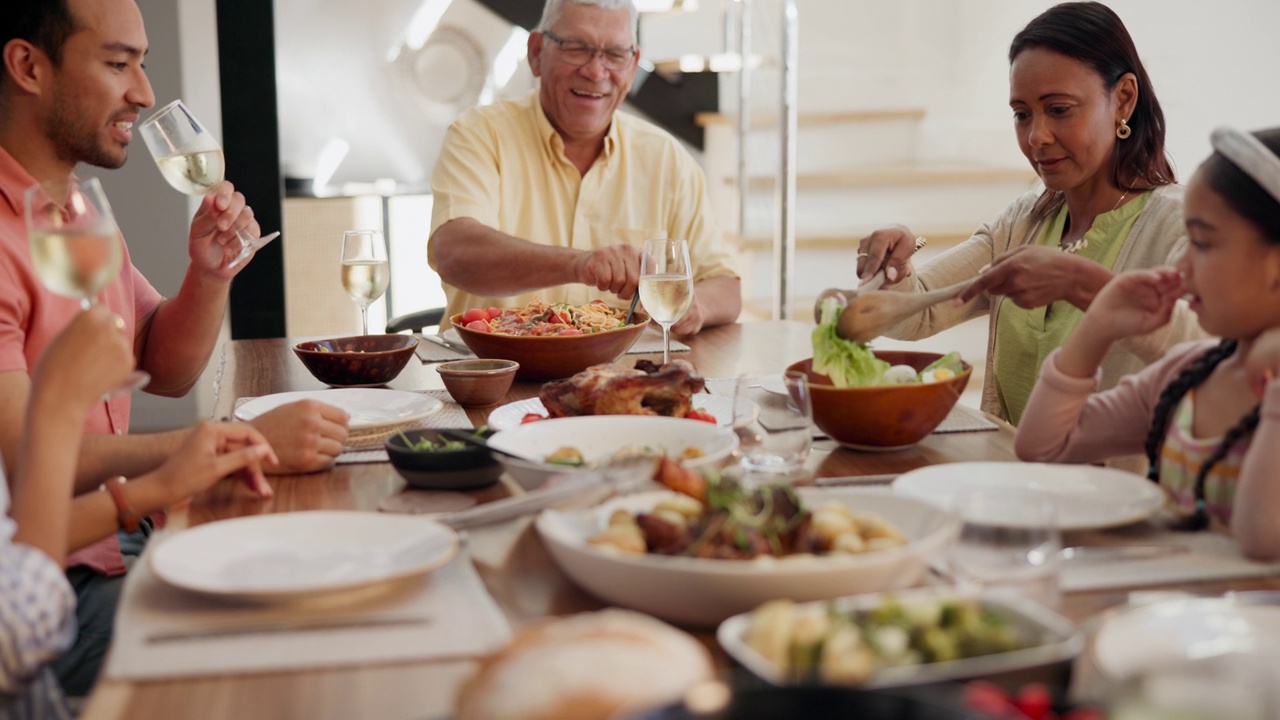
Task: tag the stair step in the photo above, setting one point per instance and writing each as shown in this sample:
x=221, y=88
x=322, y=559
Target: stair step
x=896, y=175
x=762, y=121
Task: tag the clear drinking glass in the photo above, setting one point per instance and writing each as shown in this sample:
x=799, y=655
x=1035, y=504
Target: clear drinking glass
x=666, y=285
x=75, y=244
x=365, y=270
x=190, y=159
x=1009, y=542
x=775, y=432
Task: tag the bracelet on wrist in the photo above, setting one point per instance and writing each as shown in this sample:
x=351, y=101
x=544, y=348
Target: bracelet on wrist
x=126, y=517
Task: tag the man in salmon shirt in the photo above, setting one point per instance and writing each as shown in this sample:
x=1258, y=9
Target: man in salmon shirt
x=71, y=90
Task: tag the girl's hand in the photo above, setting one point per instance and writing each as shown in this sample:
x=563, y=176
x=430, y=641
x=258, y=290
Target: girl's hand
x=213, y=451
x=1262, y=363
x=1135, y=303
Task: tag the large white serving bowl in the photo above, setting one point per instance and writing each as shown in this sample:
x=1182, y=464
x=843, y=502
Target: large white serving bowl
x=599, y=437
x=700, y=592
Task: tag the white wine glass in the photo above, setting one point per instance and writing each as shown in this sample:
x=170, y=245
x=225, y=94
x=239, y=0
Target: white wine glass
x=666, y=285
x=76, y=248
x=191, y=160
x=365, y=270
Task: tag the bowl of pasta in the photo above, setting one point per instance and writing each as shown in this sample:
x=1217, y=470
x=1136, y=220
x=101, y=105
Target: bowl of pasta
x=550, y=341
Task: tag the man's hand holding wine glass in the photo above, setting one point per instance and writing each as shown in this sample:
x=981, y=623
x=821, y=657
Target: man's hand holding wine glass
x=214, y=242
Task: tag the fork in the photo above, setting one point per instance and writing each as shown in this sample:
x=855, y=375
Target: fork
x=615, y=478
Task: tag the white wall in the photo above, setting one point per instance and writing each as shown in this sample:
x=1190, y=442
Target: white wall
x=1211, y=63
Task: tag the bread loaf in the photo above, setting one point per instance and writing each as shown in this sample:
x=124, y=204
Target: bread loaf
x=583, y=667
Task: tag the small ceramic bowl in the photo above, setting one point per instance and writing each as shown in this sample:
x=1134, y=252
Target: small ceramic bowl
x=464, y=469
x=478, y=383
x=357, y=361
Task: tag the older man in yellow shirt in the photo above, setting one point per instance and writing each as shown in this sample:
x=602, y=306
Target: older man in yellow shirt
x=553, y=194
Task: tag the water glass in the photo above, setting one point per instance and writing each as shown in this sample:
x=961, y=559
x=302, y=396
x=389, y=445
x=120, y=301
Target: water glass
x=1009, y=543
x=777, y=441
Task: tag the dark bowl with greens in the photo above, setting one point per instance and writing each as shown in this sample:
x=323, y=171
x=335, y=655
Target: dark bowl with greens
x=436, y=459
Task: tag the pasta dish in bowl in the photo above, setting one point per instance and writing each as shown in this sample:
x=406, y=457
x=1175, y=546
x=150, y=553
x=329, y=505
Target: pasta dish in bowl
x=550, y=341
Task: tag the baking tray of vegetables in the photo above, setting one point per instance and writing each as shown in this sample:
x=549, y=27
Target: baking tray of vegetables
x=899, y=639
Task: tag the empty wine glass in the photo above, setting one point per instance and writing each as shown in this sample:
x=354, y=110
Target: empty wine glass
x=75, y=245
x=775, y=432
x=1009, y=543
x=365, y=270
x=666, y=285
x=191, y=160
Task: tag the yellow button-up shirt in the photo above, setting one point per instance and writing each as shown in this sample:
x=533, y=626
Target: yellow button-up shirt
x=504, y=165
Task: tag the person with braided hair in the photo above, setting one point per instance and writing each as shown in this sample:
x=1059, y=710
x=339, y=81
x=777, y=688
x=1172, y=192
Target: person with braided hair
x=1208, y=413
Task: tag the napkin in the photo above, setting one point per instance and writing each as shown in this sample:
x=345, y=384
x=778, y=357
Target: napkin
x=1210, y=556
x=650, y=341
x=430, y=352
x=461, y=620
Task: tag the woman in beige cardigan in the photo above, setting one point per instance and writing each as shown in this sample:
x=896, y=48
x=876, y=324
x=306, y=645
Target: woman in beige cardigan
x=1087, y=119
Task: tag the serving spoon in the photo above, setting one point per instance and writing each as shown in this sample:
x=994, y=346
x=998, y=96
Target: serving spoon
x=868, y=314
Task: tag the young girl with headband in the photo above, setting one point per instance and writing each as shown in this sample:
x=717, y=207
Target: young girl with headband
x=1208, y=413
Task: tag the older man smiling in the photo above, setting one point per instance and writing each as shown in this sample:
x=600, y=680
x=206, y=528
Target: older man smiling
x=552, y=194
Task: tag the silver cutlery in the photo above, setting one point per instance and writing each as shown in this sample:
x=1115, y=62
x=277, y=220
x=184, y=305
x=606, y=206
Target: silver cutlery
x=280, y=626
x=447, y=344
x=844, y=480
x=1121, y=552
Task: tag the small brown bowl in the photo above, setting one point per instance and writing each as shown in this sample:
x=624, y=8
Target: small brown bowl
x=553, y=357
x=478, y=383
x=359, y=361
x=884, y=417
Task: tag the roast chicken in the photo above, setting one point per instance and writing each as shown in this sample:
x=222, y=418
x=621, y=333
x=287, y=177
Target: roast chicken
x=610, y=389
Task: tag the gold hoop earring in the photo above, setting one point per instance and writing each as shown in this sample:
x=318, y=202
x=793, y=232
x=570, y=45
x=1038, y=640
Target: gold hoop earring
x=1124, y=131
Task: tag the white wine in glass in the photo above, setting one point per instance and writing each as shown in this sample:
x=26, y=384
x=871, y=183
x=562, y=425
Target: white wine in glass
x=666, y=285
x=75, y=244
x=365, y=270
x=191, y=160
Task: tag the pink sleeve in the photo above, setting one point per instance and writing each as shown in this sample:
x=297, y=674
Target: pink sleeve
x=1067, y=421
x=145, y=297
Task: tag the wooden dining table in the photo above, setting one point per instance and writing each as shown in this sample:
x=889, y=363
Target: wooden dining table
x=524, y=582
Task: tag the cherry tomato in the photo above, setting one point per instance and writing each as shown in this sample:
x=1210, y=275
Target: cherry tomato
x=570, y=331
x=531, y=417
x=479, y=325
x=703, y=416
x=987, y=698
x=495, y=313
x=1034, y=701
x=474, y=314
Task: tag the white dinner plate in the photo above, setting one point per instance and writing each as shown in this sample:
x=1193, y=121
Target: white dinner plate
x=510, y=415
x=1085, y=496
x=369, y=408
x=774, y=384
x=286, y=557
x=1163, y=634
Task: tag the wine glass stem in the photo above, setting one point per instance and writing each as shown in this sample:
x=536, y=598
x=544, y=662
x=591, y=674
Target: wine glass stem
x=666, y=343
x=364, y=319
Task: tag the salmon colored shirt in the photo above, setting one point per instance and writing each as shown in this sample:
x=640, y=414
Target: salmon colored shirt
x=504, y=166
x=31, y=316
